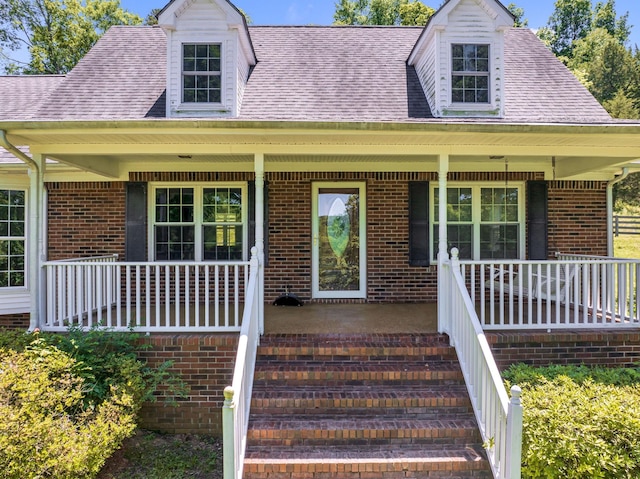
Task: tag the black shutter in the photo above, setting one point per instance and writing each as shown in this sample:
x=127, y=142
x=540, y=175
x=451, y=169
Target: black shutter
x=537, y=220
x=419, y=223
x=136, y=222
x=252, y=217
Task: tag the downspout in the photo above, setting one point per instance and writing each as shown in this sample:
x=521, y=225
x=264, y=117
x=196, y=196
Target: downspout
x=33, y=247
x=617, y=179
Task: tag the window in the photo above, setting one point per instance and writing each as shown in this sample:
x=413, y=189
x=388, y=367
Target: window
x=201, y=73
x=470, y=73
x=12, y=238
x=483, y=222
x=199, y=223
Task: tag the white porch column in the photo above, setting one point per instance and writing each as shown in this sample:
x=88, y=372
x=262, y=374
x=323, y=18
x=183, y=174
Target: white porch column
x=259, y=214
x=36, y=244
x=443, y=300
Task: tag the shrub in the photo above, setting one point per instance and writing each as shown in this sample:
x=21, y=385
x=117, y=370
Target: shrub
x=68, y=401
x=575, y=427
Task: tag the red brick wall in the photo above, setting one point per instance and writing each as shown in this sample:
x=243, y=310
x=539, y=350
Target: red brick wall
x=390, y=278
x=14, y=321
x=578, y=217
x=606, y=348
x=205, y=362
x=86, y=219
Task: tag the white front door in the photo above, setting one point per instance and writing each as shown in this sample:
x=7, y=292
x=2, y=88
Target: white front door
x=339, y=240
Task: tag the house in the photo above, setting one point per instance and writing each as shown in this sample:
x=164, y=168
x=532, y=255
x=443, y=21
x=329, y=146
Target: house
x=353, y=158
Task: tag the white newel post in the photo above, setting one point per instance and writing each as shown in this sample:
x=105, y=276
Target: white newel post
x=259, y=214
x=514, y=436
x=228, y=435
x=443, y=300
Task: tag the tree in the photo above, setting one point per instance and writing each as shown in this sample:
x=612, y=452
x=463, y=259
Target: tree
x=56, y=33
x=381, y=12
x=518, y=12
x=570, y=21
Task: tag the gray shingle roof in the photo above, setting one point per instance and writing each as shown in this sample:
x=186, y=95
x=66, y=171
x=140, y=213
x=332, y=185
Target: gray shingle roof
x=22, y=96
x=310, y=74
x=122, y=77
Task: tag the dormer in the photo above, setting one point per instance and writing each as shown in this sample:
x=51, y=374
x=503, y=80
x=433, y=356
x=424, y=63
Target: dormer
x=459, y=58
x=209, y=57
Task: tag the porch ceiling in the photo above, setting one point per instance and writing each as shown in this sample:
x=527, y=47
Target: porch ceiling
x=112, y=149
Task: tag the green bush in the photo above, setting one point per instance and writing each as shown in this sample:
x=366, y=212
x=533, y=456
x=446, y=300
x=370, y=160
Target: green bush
x=575, y=427
x=68, y=401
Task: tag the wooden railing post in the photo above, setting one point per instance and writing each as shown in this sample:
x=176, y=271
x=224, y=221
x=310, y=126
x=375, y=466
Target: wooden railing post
x=514, y=436
x=228, y=435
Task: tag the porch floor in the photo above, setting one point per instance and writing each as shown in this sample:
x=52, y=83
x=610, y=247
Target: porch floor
x=319, y=318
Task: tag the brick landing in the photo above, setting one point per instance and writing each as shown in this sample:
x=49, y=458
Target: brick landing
x=361, y=406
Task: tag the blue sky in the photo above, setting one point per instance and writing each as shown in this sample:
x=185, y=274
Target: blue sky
x=320, y=12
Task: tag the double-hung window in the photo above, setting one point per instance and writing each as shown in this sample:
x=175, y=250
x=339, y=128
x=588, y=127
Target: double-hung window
x=470, y=73
x=12, y=238
x=199, y=222
x=483, y=222
x=201, y=73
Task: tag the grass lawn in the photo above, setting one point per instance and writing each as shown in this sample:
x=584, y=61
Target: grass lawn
x=626, y=246
x=150, y=455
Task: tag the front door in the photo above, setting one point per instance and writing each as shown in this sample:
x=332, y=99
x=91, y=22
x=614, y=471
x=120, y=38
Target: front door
x=339, y=240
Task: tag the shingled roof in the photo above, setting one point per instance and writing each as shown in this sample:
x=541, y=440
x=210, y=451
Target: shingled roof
x=22, y=96
x=309, y=74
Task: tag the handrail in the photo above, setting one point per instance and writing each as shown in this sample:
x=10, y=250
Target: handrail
x=499, y=419
x=237, y=402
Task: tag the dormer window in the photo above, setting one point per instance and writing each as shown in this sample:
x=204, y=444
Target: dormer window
x=470, y=73
x=201, y=73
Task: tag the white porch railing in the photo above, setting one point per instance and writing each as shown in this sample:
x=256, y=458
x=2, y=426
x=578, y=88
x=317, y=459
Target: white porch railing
x=499, y=419
x=149, y=296
x=235, y=412
x=571, y=292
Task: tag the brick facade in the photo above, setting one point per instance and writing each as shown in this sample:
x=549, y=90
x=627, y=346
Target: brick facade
x=578, y=217
x=539, y=348
x=205, y=362
x=85, y=219
x=14, y=321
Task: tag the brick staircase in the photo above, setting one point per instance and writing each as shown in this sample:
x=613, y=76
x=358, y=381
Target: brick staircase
x=361, y=406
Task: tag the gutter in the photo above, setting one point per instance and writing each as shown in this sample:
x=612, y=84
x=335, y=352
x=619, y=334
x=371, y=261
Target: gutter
x=35, y=241
x=617, y=179
x=4, y=142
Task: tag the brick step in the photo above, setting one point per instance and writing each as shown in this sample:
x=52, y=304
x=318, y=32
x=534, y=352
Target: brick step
x=385, y=400
x=317, y=429
x=334, y=373
x=339, y=462
x=358, y=348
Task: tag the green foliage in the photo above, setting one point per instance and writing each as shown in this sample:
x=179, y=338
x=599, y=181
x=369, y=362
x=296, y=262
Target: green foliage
x=68, y=400
x=381, y=12
x=518, y=13
x=626, y=194
x=57, y=33
x=47, y=430
x=579, y=421
x=524, y=375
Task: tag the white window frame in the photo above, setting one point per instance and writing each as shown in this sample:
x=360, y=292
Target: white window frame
x=184, y=74
x=198, y=207
x=24, y=238
x=476, y=190
x=470, y=73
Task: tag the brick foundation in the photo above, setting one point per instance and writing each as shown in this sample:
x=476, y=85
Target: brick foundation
x=605, y=348
x=205, y=362
x=14, y=321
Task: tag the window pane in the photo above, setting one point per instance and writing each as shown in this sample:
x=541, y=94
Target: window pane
x=189, y=50
x=202, y=51
x=458, y=236
x=498, y=241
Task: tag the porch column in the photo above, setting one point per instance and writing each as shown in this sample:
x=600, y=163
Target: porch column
x=35, y=244
x=259, y=196
x=443, y=305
